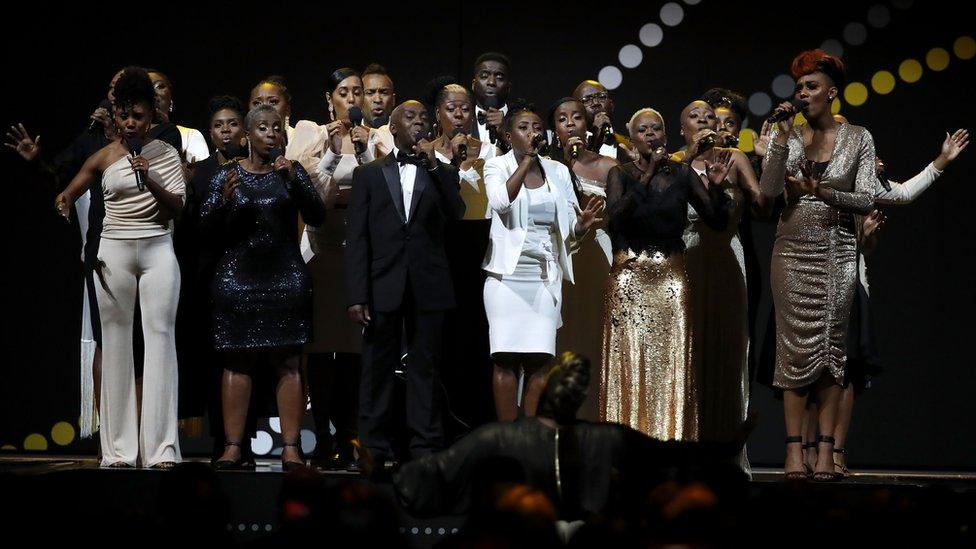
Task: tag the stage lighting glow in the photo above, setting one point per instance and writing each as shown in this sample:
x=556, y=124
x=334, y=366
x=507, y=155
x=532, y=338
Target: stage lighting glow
x=910, y=71
x=937, y=59
x=62, y=433
x=856, y=94
x=964, y=47
x=35, y=442
x=883, y=82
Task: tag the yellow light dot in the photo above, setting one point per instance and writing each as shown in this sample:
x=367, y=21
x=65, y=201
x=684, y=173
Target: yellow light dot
x=856, y=94
x=35, y=442
x=883, y=82
x=747, y=140
x=799, y=119
x=937, y=59
x=965, y=47
x=835, y=106
x=8, y=447
x=910, y=71
x=62, y=433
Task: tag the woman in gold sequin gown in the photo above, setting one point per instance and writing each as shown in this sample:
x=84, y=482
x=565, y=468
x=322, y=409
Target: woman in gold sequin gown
x=647, y=380
x=830, y=165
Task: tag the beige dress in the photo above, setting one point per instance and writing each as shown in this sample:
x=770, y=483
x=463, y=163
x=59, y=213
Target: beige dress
x=323, y=247
x=814, y=263
x=715, y=263
x=582, y=330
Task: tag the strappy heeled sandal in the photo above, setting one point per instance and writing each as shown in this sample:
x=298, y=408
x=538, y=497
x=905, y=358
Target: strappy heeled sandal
x=239, y=464
x=844, y=471
x=824, y=476
x=288, y=466
x=795, y=475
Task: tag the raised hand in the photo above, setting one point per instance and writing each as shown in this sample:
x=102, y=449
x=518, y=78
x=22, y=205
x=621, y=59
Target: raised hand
x=282, y=163
x=808, y=182
x=334, y=131
x=761, y=144
x=20, y=141
x=955, y=144
x=717, y=169
x=494, y=117
x=784, y=126
x=474, y=148
x=425, y=150
x=587, y=217
x=359, y=134
x=231, y=181
x=139, y=164
x=701, y=143
x=104, y=118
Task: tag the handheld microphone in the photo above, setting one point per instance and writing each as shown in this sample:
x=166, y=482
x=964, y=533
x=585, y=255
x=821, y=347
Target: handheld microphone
x=356, y=118
x=491, y=102
x=540, y=144
x=731, y=141
x=135, y=149
x=417, y=138
x=462, y=147
x=273, y=155
x=608, y=134
x=574, y=151
x=707, y=142
x=883, y=179
x=798, y=105
x=103, y=104
x=380, y=121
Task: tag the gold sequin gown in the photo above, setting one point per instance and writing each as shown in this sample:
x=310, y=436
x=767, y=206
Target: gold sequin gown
x=814, y=263
x=647, y=380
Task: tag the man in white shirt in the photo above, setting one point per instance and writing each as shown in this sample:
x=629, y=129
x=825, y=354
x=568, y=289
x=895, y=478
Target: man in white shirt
x=397, y=276
x=491, y=86
x=379, y=98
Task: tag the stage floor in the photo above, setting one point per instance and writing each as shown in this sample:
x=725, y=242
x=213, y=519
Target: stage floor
x=76, y=482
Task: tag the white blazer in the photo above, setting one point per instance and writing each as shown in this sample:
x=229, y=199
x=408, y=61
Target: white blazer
x=510, y=218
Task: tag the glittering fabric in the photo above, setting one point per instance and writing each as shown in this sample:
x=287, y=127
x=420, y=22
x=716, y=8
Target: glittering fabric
x=262, y=291
x=647, y=378
x=814, y=263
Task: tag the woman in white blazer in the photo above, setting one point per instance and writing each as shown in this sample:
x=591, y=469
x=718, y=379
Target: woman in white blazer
x=536, y=222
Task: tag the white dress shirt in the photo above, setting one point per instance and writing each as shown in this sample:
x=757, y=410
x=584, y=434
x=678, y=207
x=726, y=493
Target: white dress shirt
x=408, y=174
x=488, y=150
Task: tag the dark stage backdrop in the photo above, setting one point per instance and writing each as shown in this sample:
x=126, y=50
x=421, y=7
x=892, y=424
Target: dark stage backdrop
x=920, y=414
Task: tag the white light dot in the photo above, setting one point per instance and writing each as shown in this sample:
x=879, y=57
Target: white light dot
x=255, y=527
x=275, y=424
x=630, y=56
x=454, y=530
x=855, y=34
x=879, y=16
x=308, y=441
x=262, y=443
x=415, y=530
x=760, y=103
x=783, y=85
x=241, y=527
x=428, y=530
x=441, y=531
x=833, y=47
x=672, y=13
x=610, y=77
x=267, y=527
x=651, y=34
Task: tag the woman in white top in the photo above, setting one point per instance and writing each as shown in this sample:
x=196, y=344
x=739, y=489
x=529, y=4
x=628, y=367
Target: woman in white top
x=582, y=329
x=143, y=192
x=330, y=153
x=194, y=145
x=536, y=223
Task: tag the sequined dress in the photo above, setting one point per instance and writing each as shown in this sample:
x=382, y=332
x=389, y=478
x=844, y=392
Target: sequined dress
x=814, y=263
x=262, y=292
x=647, y=379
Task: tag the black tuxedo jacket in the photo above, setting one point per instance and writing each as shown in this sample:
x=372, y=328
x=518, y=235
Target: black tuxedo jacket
x=385, y=252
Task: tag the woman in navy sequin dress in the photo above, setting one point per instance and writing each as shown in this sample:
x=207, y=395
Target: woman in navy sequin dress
x=262, y=292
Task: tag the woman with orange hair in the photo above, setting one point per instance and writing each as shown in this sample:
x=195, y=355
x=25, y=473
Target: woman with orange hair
x=829, y=166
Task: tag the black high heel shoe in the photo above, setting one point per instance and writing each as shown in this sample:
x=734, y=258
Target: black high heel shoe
x=288, y=466
x=824, y=476
x=796, y=475
x=242, y=463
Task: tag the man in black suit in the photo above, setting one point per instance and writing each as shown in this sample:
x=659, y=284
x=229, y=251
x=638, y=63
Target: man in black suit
x=397, y=276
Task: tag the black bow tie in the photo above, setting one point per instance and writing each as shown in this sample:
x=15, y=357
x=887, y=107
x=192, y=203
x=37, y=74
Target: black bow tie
x=404, y=158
